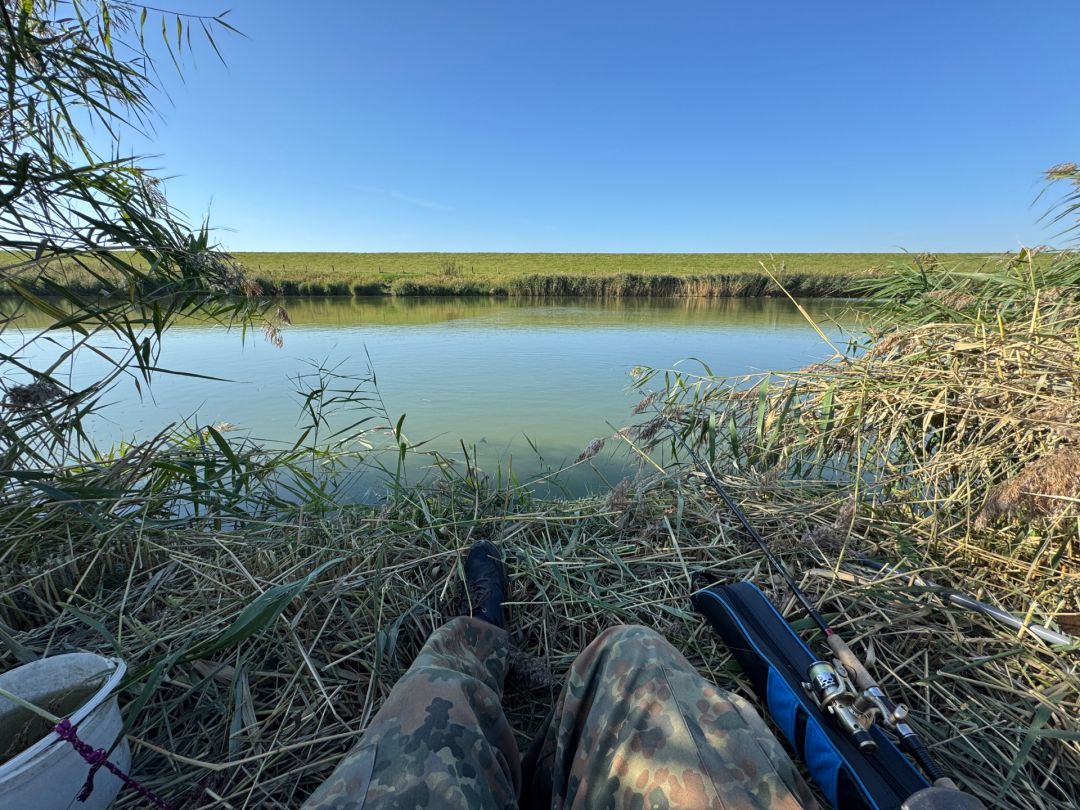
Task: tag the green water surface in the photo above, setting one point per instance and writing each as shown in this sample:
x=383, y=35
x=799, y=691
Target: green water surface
x=522, y=383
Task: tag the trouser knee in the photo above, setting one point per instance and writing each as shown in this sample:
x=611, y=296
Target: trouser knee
x=631, y=645
x=629, y=634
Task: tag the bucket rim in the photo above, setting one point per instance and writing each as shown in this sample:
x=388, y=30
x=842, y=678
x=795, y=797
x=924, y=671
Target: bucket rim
x=31, y=752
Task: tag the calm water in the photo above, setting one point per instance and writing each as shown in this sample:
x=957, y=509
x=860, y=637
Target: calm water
x=496, y=374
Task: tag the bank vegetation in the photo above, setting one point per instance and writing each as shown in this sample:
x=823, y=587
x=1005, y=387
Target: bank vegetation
x=264, y=622
x=582, y=275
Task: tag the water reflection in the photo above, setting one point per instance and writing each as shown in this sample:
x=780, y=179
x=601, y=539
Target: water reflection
x=504, y=376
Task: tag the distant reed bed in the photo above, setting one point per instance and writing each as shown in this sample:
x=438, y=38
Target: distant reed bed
x=591, y=275
x=578, y=275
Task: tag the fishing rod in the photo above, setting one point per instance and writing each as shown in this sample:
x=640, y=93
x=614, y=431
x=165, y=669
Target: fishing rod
x=962, y=600
x=844, y=688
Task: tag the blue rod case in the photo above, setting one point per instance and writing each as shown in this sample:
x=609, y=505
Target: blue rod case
x=776, y=661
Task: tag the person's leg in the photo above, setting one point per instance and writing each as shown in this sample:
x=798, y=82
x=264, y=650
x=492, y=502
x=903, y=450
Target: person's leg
x=441, y=739
x=637, y=727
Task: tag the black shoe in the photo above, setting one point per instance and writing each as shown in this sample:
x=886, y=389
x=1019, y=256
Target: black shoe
x=485, y=585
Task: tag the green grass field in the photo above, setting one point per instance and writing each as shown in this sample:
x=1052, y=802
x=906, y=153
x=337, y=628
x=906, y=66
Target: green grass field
x=587, y=274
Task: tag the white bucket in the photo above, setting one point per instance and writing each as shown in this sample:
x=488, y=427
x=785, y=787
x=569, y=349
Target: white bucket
x=48, y=774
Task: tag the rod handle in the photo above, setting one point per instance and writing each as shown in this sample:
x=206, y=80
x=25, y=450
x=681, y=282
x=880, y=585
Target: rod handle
x=919, y=752
x=862, y=677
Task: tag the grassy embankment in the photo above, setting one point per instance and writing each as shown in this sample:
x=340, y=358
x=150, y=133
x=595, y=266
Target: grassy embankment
x=570, y=274
x=597, y=275
x=591, y=275
x=261, y=640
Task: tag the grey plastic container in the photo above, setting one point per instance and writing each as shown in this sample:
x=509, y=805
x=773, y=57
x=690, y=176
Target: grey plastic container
x=48, y=773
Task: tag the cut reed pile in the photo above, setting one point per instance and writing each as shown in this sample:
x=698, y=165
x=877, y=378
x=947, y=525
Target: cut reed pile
x=962, y=438
x=259, y=653
x=258, y=723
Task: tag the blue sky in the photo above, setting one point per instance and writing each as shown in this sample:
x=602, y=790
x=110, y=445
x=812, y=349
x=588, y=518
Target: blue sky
x=625, y=126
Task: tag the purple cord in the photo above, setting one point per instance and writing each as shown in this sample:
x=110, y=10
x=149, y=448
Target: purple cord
x=97, y=758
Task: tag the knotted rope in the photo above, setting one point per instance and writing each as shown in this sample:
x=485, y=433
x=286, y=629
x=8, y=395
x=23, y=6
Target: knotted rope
x=98, y=758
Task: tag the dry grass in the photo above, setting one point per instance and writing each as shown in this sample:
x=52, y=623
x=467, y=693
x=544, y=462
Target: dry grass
x=1048, y=486
x=259, y=725
x=953, y=445
x=961, y=433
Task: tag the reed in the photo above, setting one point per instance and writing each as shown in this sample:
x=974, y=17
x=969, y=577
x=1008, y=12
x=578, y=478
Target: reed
x=945, y=441
x=332, y=608
x=580, y=275
x=549, y=274
x=261, y=640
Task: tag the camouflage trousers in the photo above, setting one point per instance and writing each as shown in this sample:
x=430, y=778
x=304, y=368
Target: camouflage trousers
x=634, y=727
